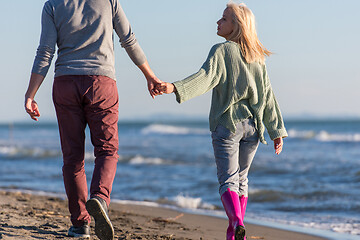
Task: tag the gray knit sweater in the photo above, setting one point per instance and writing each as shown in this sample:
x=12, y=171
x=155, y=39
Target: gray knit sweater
x=241, y=90
x=83, y=31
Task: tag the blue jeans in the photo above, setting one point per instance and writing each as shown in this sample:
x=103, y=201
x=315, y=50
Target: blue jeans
x=234, y=153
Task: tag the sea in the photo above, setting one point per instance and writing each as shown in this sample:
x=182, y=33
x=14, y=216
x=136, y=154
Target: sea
x=313, y=186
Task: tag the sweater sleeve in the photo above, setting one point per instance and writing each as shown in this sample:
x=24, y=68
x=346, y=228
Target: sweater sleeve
x=204, y=80
x=273, y=120
x=127, y=37
x=48, y=38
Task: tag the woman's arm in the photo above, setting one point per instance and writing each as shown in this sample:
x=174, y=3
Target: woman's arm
x=272, y=117
x=205, y=79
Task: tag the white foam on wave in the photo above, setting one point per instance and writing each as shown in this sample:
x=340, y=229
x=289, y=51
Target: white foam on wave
x=301, y=134
x=136, y=160
x=144, y=160
x=89, y=156
x=173, y=130
x=341, y=228
x=192, y=203
x=4, y=150
x=324, y=136
x=349, y=228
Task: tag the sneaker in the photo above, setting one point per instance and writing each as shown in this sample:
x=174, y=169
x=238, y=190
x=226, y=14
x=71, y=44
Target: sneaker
x=83, y=231
x=97, y=208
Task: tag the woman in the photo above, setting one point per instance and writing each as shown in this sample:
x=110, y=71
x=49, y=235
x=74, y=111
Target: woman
x=242, y=103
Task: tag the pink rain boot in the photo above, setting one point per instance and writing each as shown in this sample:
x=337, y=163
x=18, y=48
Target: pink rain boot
x=231, y=202
x=243, y=203
x=230, y=235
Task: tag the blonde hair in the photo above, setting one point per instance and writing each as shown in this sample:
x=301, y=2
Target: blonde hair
x=244, y=33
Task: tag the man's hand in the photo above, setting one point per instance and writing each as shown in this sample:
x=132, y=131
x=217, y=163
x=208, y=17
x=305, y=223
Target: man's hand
x=152, y=80
x=152, y=83
x=32, y=108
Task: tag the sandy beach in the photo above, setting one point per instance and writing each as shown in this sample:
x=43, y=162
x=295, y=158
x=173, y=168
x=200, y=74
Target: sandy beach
x=26, y=216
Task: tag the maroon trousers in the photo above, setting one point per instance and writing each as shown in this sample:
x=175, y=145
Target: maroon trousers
x=93, y=101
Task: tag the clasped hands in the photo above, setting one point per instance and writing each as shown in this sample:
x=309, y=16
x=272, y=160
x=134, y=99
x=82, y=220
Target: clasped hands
x=163, y=87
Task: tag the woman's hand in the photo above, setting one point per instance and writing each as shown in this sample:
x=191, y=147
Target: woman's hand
x=166, y=87
x=278, y=145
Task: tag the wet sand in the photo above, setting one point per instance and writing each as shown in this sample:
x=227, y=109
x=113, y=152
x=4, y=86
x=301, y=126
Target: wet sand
x=26, y=216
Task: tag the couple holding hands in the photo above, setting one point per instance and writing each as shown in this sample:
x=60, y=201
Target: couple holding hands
x=85, y=93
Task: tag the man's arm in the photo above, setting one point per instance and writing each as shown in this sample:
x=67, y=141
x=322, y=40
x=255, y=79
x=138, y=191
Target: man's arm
x=152, y=80
x=31, y=106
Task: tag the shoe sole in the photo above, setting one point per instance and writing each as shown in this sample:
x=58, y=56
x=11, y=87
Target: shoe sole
x=240, y=233
x=103, y=227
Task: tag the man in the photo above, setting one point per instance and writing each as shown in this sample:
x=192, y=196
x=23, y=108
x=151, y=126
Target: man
x=85, y=93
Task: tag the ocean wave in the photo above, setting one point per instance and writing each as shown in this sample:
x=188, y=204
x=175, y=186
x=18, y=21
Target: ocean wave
x=328, y=227
x=178, y=202
x=173, y=130
x=89, y=156
x=16, y=152
x=132, y=160
x=322, y=207
x=301, y=134
x=349, y=228
x=278, y=196
x=324, y=136
x=138, y=159
x=340, y=227
x=262, y=196
x=192, y=203
x=24, y=152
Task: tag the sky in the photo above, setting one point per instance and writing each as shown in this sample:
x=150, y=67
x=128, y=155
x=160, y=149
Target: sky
x=314, y=69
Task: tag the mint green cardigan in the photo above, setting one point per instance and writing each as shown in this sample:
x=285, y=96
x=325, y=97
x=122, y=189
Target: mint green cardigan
x=241, y=90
